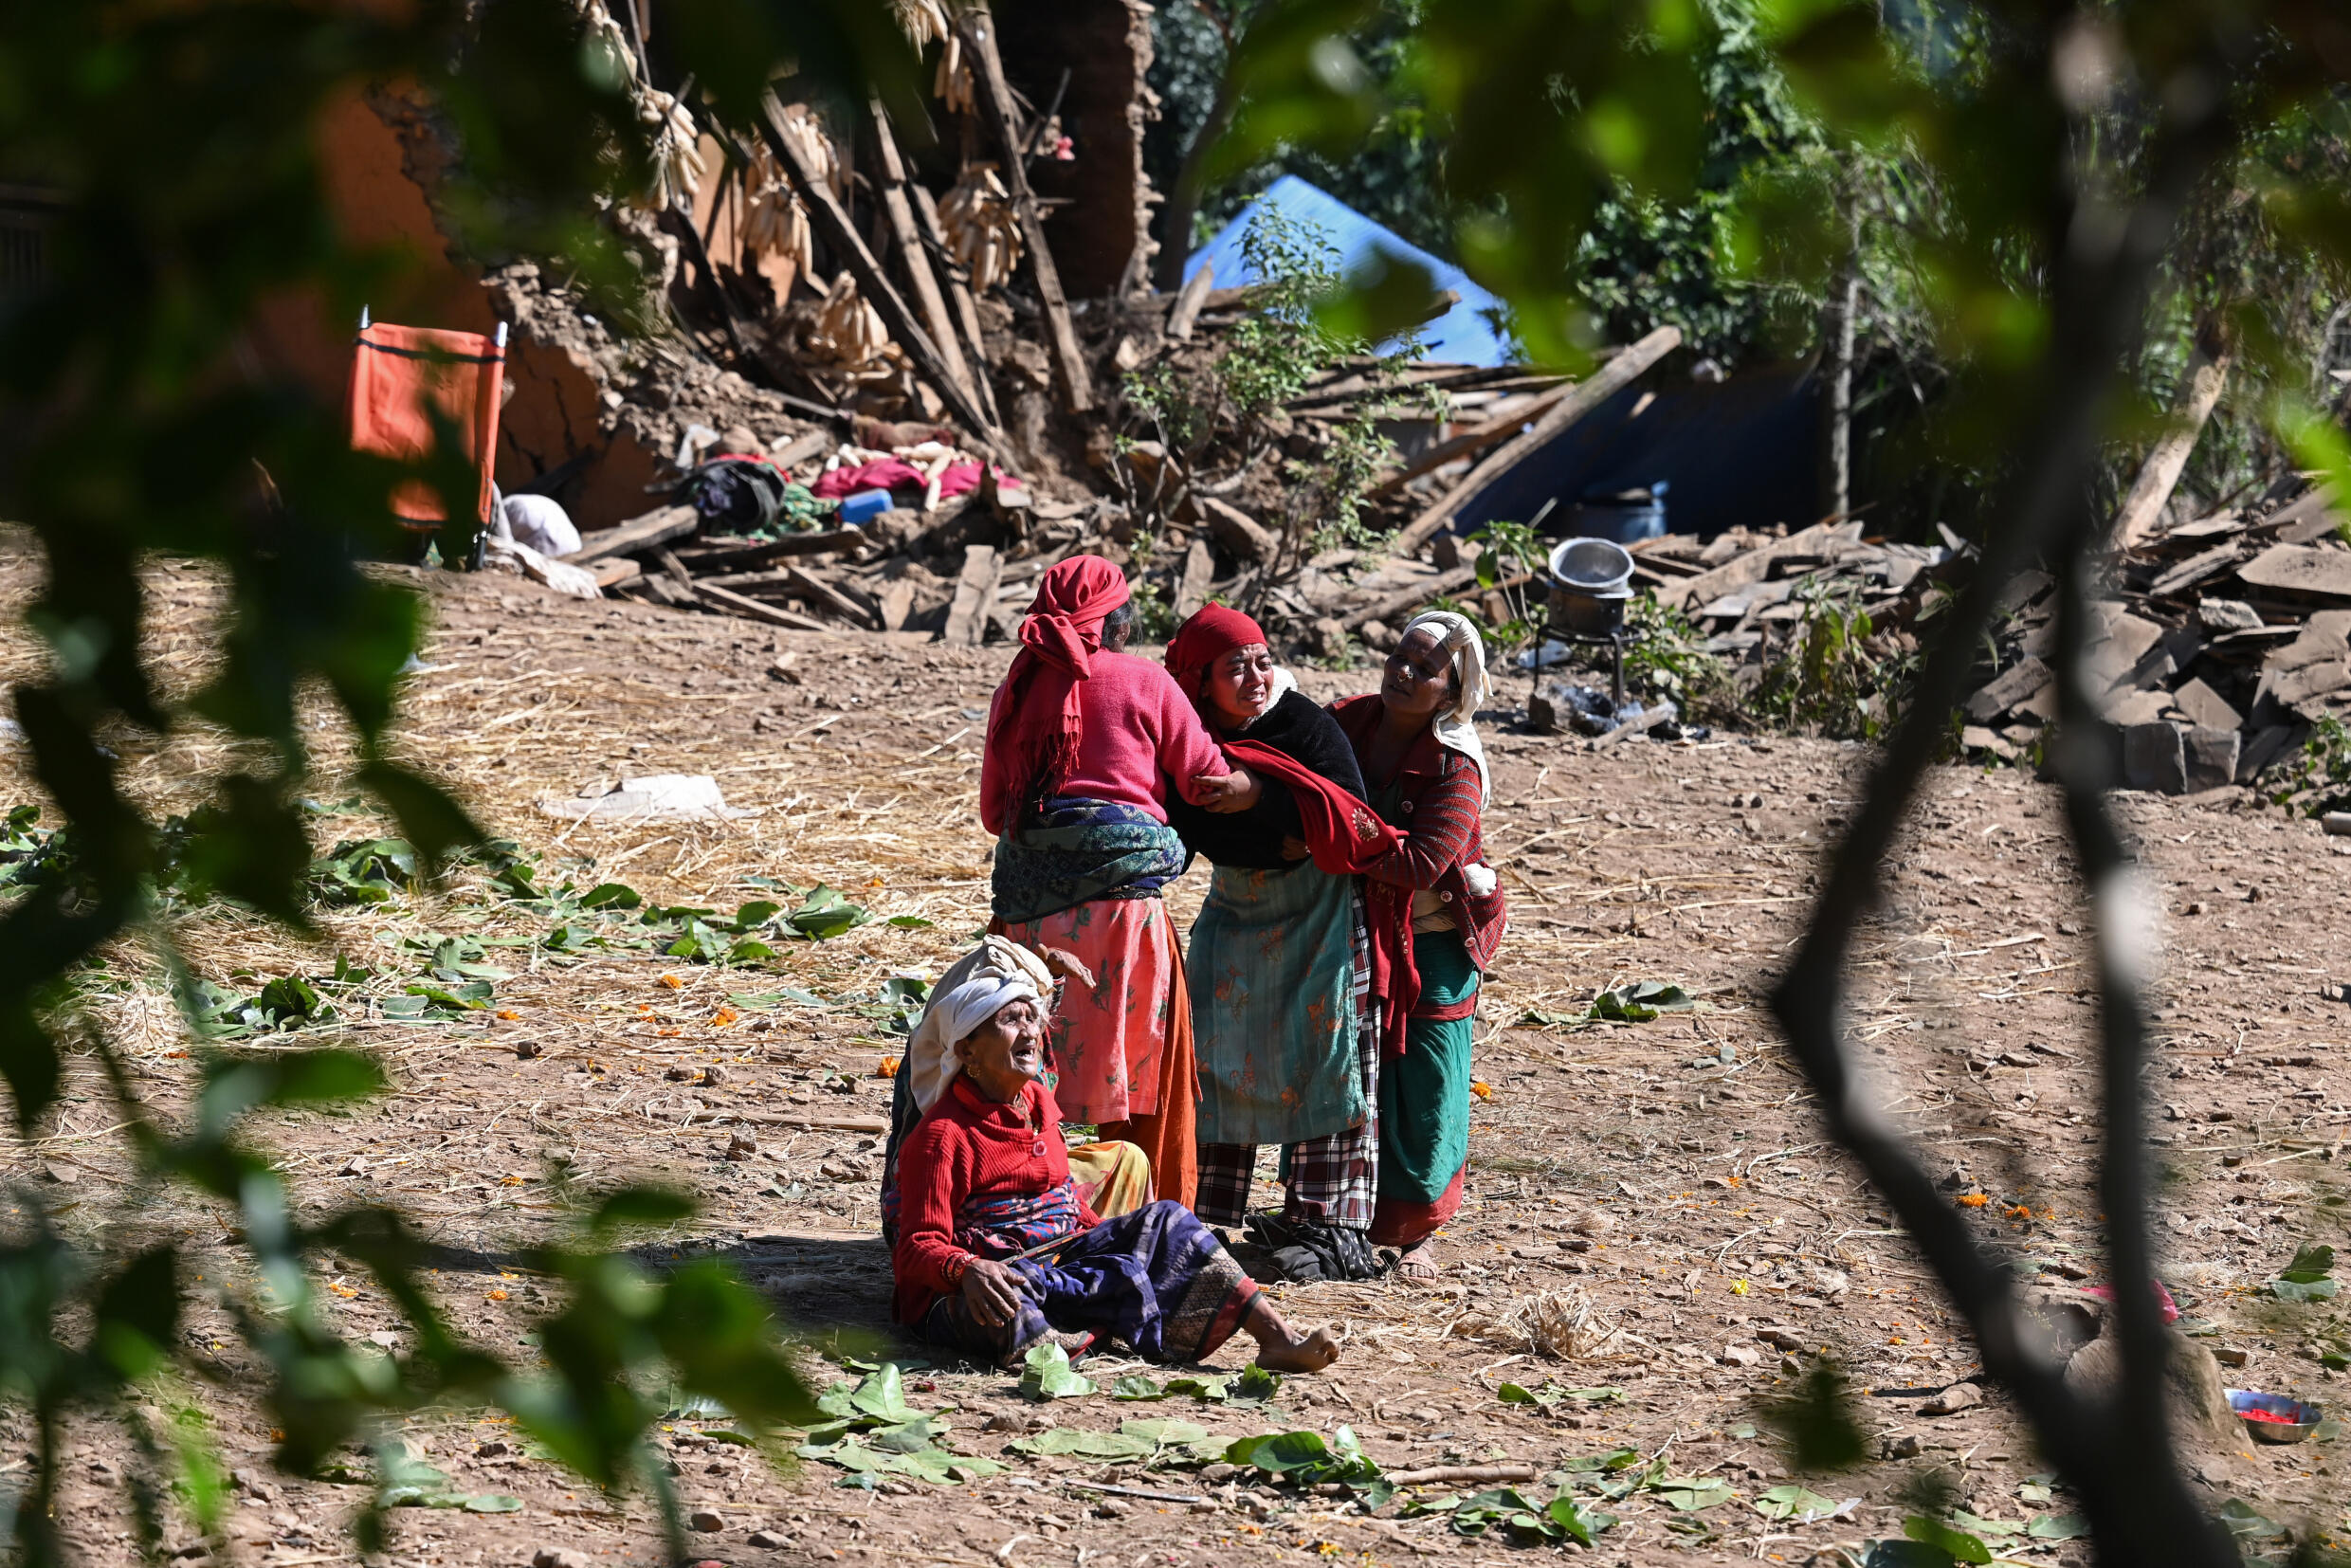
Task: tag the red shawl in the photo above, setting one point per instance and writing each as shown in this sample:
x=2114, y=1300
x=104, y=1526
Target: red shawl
x=1036, y=721
x=1345, y=836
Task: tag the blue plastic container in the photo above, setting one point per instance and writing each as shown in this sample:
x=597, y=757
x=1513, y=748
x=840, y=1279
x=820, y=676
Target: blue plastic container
x=858, y=509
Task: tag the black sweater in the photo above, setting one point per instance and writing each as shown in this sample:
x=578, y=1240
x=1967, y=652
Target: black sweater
x=1300, y=729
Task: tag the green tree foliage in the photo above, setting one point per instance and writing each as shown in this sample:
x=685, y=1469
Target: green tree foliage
x=176, y=144
x=2076, y=164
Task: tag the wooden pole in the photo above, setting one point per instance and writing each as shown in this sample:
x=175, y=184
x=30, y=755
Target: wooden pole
x=841, y=236
x=1610, y=379
x=899, y=210
x=996, y=93
x=2160, y=475
x=959, y=295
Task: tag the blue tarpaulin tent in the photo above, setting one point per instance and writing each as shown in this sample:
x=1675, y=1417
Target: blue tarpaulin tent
x=1463, y=336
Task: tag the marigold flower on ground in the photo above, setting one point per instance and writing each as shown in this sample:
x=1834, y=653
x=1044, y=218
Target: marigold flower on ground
x=1973, y=1200
x=673, y=982
x=1483, y=1091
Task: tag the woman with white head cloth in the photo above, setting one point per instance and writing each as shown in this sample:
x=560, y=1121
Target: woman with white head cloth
x=996, y=1249
x=1425, y=772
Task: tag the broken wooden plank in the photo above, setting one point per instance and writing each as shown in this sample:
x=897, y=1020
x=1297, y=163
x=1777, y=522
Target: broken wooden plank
x=1243, y=535
x=1743, y=571
x=745, y=558
x=975, y=596
x=807, y=443
x=1411, y=598
x=2025, y=678
x=959, y=295
x=1585, y=396
x=2300, y=569
x=648, y=531
x=2306, y=518
x=613, y=574
x=1186, y=314
x=873, y=284
x=816, y=588
x=2195, y=569
x=899, y=209
x=1470, y=442
x=728, y=602
x=995, y=93
x=2161, y=473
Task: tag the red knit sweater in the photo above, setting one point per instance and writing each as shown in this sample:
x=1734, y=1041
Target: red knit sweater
x=968, y=1145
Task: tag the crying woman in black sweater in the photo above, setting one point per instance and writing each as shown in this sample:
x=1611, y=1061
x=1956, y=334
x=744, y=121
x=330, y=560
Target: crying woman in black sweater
x=1279, y=973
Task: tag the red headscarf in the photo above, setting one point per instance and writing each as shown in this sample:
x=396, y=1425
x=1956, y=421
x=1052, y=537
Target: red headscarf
x=1344, y=835
x=1036, y=722
x=1214, y=631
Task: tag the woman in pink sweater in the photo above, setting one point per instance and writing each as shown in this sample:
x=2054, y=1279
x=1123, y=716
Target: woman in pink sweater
x=1081, y=738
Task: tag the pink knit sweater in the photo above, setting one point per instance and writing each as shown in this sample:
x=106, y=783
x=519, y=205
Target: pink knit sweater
x=1140, y=730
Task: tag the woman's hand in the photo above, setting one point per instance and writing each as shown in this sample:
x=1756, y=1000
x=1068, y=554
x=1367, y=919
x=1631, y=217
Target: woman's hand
x=1294, y=847
x=1235, y=791
x=1066, y=964
x=992, y=1291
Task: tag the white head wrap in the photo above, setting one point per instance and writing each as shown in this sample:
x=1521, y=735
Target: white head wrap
x=991, y=976
x=1456, y=726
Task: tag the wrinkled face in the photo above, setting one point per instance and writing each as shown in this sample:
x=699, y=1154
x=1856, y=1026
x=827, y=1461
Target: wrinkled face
x=1419, y=679
x=1239, y=686
x=1004, y=1052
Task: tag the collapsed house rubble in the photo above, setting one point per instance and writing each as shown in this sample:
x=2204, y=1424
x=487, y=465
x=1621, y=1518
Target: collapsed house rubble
x=2220, y=643
x=885, y=374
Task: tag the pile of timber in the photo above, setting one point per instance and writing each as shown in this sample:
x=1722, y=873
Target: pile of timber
x=2224, y=643
x=962, y=569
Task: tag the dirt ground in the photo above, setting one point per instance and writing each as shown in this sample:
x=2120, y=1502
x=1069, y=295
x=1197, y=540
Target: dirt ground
x=1668, y=1177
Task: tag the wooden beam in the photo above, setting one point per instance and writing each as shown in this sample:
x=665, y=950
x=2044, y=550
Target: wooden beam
x=637, y=535
x=1470, y=443
x=1585, y=396
x=959, y=295
x=995, y=95
x=2160, y=475
x=899, y=209
x=872, y=282
x=744, y=557
x=727, y=602
x=1189, y=298
x=1407, y=598
x=975, y=596
x=817, y=589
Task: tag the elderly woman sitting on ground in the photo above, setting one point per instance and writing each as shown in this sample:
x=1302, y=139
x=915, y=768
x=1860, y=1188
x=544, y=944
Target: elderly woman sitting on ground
x=996, y=1249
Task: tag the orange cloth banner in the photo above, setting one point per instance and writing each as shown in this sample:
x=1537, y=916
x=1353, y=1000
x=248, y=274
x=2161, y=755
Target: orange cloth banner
x=400, y=377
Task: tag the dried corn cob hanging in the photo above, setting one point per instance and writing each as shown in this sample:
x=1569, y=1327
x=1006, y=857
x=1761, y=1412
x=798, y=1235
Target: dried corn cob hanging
x=676, y=151
x=847, y=330
x=920, y=20
x=805, y=134
x=775, y=223
x=982, y=230
x=951, y=84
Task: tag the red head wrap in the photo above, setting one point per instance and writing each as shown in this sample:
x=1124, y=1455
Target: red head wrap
x=1212, y=632
x=1035, y=722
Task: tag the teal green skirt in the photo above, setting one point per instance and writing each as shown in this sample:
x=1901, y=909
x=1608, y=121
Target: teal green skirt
x=1424, y=1094
x=1272, y=970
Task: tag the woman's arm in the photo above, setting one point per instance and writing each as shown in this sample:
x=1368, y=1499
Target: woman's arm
x=1438, y=834
x=930, y=1184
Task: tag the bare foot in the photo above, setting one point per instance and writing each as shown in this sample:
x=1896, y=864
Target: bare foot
x=1281, y=1348
x=1419, y=1262
x=1310, y=1354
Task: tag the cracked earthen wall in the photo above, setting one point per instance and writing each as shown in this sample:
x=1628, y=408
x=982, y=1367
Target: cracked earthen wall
x=554, y=413
x=1103, y=239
